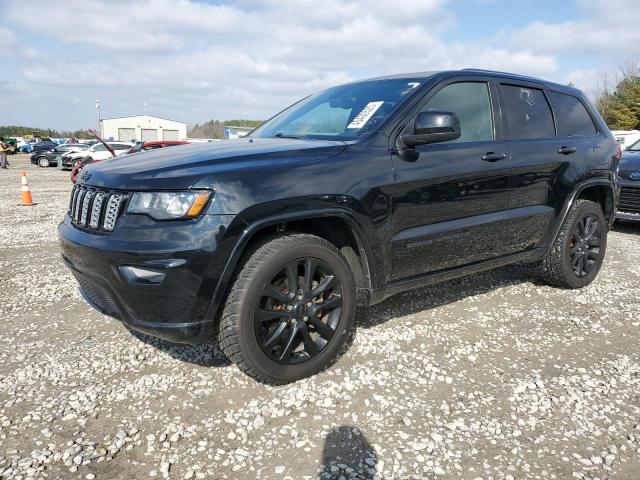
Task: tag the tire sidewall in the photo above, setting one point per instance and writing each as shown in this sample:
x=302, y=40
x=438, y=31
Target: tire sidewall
x=248, y=341
x=585, y=208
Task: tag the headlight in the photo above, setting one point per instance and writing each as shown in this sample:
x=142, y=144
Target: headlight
x=169, y=205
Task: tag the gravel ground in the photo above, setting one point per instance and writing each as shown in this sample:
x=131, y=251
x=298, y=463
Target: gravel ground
x=488, y=377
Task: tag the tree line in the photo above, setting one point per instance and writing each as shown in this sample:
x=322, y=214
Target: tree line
x=618, y=98
x=215, y=128
x=21, y=131
x=210, y=129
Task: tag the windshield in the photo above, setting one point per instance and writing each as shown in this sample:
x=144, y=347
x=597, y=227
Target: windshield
x=635, y=147
x=341, y=113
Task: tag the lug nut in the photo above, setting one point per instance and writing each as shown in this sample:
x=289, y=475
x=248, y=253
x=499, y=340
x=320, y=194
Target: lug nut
x=305, y=318
x=289, y=307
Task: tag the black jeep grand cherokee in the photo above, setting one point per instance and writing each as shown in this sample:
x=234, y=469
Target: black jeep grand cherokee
x=345, y=198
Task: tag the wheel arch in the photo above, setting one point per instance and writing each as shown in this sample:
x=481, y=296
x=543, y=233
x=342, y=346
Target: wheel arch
x=339, y=227
x=601, y=191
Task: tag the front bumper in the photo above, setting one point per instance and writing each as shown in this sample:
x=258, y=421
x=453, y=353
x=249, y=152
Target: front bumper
x=188, y=257
x=629, y=200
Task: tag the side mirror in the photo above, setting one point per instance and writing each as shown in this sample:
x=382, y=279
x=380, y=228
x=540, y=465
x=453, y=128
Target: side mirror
x=433, y=126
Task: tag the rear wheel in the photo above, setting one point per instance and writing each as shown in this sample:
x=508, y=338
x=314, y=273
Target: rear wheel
x=290, y=309
x=575, y=258
x=43, y=162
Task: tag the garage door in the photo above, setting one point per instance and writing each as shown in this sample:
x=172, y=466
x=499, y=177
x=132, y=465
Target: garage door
x=126, y=134
x=149, y=134
x=170, y=135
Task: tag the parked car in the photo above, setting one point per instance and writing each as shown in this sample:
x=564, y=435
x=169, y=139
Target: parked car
x=26, y=145
x=43, y=146
x=625, y=138
x=629, y=178
x=95, y=153
x=145, y=146
x=347, y=197
x=98, y=151
x=51, y=158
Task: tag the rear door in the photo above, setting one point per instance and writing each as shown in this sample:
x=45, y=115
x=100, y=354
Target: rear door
x=450, y=198
x=536, y=161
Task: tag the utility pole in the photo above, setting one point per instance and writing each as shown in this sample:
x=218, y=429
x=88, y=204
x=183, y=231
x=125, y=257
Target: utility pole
x=98, y=110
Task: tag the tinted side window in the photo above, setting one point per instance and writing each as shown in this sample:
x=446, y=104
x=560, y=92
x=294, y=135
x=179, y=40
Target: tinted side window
x=528, y=113
x=573, y=118
x=470, y=101
x=99, y=148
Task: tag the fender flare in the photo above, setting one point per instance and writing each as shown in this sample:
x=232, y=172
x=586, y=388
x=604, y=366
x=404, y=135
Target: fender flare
x=579, y=188
x=251, y=229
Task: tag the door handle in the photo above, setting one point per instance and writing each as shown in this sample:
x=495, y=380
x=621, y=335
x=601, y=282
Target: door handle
x=493, y=157
x=567, y=150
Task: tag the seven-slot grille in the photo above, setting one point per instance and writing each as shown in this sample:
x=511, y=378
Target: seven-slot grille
x=95, y=209
x=629, y=200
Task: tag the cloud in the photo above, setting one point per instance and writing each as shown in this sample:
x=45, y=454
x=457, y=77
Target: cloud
x=250, y=58
x=605, y=27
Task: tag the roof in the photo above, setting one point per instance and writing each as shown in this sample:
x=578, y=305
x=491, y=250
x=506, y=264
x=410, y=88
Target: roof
x=143, y=115
x=473, y=71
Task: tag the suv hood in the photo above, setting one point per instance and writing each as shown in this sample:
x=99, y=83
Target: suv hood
x=180, y=167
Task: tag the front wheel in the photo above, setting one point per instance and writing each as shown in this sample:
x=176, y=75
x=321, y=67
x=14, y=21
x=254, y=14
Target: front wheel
x=43, y=162
x=290, y=309
x=575, y=258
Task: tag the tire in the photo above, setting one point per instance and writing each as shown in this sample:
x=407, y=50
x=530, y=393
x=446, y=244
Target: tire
x=561, y=265
x=276, y=336
x=43, y=162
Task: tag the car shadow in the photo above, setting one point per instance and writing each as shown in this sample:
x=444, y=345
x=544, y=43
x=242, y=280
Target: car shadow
x=204, y=355
x=400, y=305
x=347, y=454
x=626, y=227
x=437, y=295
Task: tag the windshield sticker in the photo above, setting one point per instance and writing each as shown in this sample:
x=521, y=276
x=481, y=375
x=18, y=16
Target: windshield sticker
x=363, y=117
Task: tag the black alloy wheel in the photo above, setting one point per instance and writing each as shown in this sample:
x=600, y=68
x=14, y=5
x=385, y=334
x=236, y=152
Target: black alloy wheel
x=290, y=310
x=298, y=311
x=576, y=255
x=585, y=245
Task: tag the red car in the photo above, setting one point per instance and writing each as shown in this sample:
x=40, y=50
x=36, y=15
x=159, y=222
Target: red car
x=138, y=147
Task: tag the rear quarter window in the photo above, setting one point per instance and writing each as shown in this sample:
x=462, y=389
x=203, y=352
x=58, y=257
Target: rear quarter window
x=572, y=116
x=528, y=113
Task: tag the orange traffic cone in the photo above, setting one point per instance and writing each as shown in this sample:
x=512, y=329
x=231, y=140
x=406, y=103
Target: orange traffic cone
x=26, y=200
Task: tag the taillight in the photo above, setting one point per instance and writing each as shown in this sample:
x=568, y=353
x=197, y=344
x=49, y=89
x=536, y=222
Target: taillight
x=618, y=151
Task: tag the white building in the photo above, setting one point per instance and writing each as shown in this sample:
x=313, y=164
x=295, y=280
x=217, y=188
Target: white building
x=142, y=127
x=232, y=131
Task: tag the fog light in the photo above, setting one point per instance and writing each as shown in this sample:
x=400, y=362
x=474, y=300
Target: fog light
x=142, y=275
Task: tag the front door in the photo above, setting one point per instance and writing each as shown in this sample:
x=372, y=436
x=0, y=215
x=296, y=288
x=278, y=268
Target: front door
x=450, y=199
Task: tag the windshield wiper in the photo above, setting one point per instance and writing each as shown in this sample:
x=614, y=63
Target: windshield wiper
x=282, y=135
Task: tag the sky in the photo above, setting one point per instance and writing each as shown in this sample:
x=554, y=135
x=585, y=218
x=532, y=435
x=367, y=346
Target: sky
x=193, y=61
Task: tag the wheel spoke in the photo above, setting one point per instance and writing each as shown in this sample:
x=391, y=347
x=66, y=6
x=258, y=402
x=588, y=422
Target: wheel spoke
x=263, y=315
x=331, y=303
x=575, y=258
x=277, y=333
x=292, y=277
x=581, y=264
x=322, y=328
x=291, y=343
x=324, y=285
x=310, y=345
x=275, y=293
x=309, y=272
x=588, y=221
x=594, y=242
